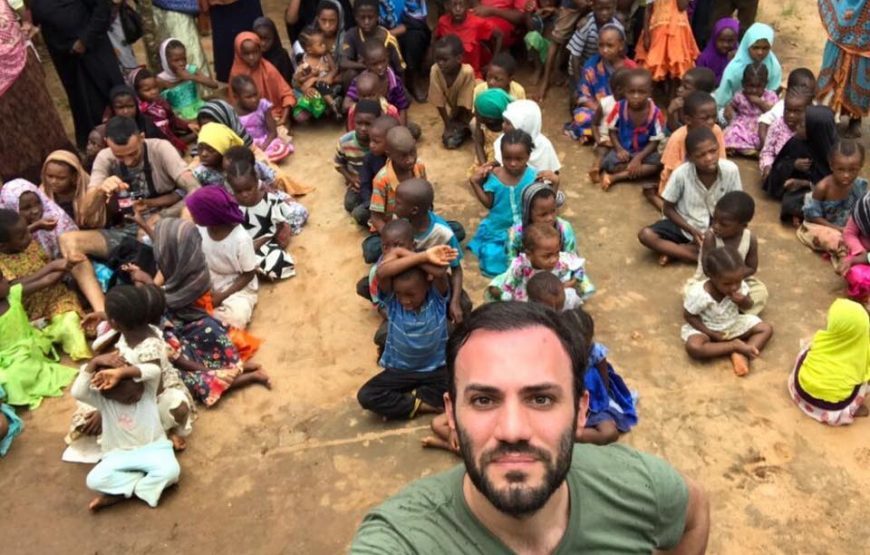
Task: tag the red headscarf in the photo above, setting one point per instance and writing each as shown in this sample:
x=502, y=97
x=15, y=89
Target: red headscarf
x=268, y=80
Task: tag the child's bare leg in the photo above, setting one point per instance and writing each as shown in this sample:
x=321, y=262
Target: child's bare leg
x=253, y=377
x=759, y=336
x=701, y=347
x=251, y=366
x=595, y=170
x=603, y=433
x=650, y=239
x=104, y=500
x=651, y=194
x=754, y=340
x=443, y=438
x=180, y=414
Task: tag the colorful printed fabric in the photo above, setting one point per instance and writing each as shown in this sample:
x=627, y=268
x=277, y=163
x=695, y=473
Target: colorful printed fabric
x=384, y=187
x=566, y=232
x=11, y=192
x=592, y=86
x=634, y=138
x=512, y=283
x=742, y=131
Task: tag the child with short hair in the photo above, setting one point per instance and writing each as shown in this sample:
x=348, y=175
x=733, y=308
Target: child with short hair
x=636, y=128
x=451, y=91
x=611, y=410
x=742, y=113
x=666, y=46
x=375, y=58
x=500, y=75
x=488, y=123
x=365, y=14
x=830, y=378
x=600, y=130
x=157, y=109
x=179, y=80
x=585, y=42
x=229, y=254
x=316, y=80
x=96, y=143
x=255, y=115
x=713, y=309
x=546, y=289
x=372, y=163
x=137, y=457
x=541, y=253
x=728, y=228
x=827, y=207
x=402, y=164
x=269, y=220
x=396, y=233
x=690, y=196
x=413, y=380
x=499, y=188
x=696, y=79
x=540, y=206
x=270, y=84
x=352, y=148
x=481, y=40
x=23, y=261
x=368, y=87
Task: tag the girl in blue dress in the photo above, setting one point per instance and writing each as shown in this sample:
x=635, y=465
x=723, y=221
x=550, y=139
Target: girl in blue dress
x=499, y=187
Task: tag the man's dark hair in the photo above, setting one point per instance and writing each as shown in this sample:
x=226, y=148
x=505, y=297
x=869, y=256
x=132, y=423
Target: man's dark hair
x=120, y=129
x=514, y=315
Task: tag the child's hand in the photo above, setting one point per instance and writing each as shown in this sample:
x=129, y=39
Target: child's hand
x=107, y=379
x=482, y=171
x=633, y=168
x=803, y=164
x=183, y=74
x=698, y=237
x=548, y=175
x=676, y=105
x=59, y=265
x=353, y=182
x=738, y=297
x=716, y=336
x=91, y=320
x=93, y=425
x=46, y=223
x=137, y=275
x=441, y=255
x=108, y=360
x=622, y=155
x=311, y=92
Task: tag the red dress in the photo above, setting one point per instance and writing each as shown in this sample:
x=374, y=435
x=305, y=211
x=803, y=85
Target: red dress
x=474, y=31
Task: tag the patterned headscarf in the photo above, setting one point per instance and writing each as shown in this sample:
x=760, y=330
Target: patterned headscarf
x=861, y=215
x=221, y=111
x=178, y=252
x=10, y=193
x=212, y=206
x=529, y=194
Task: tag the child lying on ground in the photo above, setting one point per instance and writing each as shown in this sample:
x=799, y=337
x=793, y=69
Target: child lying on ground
x=728, y=228
x=690, y=197
x=716, y=325
x=137, y=457
x=451, y=91
x=413, y=380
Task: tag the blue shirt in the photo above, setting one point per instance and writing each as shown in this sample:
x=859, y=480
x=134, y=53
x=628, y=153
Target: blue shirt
x=438, y=233
x=416, y=339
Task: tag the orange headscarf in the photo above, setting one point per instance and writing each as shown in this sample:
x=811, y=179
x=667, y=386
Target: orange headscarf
x=81, y=180
x=268, y=80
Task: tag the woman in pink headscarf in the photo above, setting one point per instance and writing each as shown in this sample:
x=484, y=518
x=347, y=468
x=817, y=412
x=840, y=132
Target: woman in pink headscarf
x=31, y=125
x=45, y=219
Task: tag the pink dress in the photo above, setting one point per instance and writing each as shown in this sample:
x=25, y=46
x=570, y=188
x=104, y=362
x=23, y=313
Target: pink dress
x=255, y=124
x=742, y=132
x=858, y=277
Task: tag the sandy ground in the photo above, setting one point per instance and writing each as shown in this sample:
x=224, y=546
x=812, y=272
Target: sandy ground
x=293, y=470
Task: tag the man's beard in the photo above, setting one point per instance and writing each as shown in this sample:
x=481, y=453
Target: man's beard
x=518, y=499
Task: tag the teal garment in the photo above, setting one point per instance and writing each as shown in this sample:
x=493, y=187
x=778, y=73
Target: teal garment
x=184, y=98
x=15, y=424
x=566, y=230
x=732, y=79
x=491, y=240
x=622, y=501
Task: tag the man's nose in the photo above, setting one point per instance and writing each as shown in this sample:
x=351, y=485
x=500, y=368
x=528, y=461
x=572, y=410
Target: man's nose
x=513, y=422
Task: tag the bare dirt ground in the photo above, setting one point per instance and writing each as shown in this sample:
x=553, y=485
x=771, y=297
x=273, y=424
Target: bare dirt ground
x=295, y=469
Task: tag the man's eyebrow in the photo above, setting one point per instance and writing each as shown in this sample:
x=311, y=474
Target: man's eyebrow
x=541, y=388
x=480, y=388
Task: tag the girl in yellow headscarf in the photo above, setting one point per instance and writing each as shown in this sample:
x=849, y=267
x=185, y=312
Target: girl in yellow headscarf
x=214, y=139
x=830, y=378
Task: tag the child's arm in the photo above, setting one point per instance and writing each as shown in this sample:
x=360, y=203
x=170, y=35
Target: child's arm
x=439, y=255
x=47, y=224
x=762, y=133
x=478, y=139
x=241, y=281
x=455, y=308
x=496, y=40
x=596, y=123
x=46, y=276
x=762, y=104
x=551, y=176
x=670, y=212
x=445, y=117
x=637, y=160
x=695, y=321
x=271, y=131
x=198, y=78
x=813, y=212
x=621, y=154
x=743, y=301
x=752, y=257
x=476, y=182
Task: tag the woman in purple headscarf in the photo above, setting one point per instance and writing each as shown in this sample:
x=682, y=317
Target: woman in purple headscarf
x=721, y=47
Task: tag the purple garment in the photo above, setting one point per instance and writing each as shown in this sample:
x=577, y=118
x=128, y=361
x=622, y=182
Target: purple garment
x=48, y=239
x=712, y=58
x=742, y=132
x=395, y=91
x=255, y=122
x=212, y=206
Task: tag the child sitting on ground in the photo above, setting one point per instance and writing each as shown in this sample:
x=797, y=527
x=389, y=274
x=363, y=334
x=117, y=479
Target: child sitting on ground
x=636, y=127
x=742, y=113
x=728, y=228
x=696, y=79
x=540, y=207
x=179, y=80
x=396, y=233
x=488, y=123
x=46, y=221
x=402, y=164
x=375, y=57
x=721, y=47
x=611, y=410
x=267, y=220
x=854, y=263
x=273, y=51
x=828, y=206
x=783, y=128
x=499, y=188
x=371, y=165
x=157, y=109
x=413, y=380
x=600, y=129
x=215, y=139
x=368, y=87
x=480, y=39
x=713, y=309
x=699, y=110
x=755, y=48
x=365, y=14
x=541, y=244
x=27, y=368
x=249, y=61
x=352, y=148
x=800, y=78
x=451, y=91
x=229, y=254
x=830, y=378
x=316, y=80
x=690, y=197
x=546, y=289
x=500, y=75
x=255, y=114
x=46, y=299
x=137, y=457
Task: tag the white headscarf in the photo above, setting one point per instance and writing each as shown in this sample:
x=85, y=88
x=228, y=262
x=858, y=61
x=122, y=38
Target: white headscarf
x=526, y=115
x=167, y=74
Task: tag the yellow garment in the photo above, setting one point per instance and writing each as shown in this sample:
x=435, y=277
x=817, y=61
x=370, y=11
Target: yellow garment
x=516, y=90
x=219, y=137
x=839, y=356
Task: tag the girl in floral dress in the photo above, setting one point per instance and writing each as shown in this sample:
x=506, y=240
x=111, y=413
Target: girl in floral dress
x=743, y=112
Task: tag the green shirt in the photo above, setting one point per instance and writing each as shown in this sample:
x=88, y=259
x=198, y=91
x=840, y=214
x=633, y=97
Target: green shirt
x=622, y=501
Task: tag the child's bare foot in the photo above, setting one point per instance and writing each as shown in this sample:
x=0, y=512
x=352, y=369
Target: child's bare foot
x=251, y=366
x=740, y=364
x=426, y=408
x=862, y=411
x=261, y=377
x=178, y=442
x=595, y=175
x=606, y=181
x=796, y=221
x=664, y=260
x=104, y=500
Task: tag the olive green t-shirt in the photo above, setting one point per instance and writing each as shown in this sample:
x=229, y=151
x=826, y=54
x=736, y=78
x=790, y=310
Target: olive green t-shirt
x=622, y=501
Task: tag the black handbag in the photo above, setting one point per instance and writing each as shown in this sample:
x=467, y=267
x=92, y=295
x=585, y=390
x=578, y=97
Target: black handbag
x=131, y=22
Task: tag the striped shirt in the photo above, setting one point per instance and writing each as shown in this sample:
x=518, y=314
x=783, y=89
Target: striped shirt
x=384, y=187
x=584, y=41
x=349, y=154
x=416, y=339
x=438, y=233
x=693, y=200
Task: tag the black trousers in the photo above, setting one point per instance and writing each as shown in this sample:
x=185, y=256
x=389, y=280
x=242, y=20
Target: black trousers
x=414, y=43
x=395, y=394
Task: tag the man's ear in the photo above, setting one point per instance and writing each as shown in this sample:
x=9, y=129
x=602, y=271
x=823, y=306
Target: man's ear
x=448, y=410
x=582, y=409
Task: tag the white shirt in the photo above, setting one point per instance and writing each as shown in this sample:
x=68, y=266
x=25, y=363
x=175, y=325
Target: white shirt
x=229, y=258
x=695, y=202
